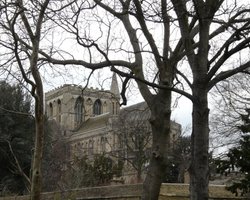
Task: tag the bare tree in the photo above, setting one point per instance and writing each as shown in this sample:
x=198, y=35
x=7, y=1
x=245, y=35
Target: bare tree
x=154, y=65
x=19, y=24
x=103, y=43
x=164, y=46
x=197, y=44
x=208, y=64
x=226, y=114
x=134, y=138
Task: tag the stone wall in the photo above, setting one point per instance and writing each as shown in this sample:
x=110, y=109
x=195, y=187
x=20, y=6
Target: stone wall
x=130, y=192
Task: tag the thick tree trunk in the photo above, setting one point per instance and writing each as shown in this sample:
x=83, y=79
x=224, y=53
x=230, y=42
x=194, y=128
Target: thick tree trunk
x=199, y=170
x=160, y=123
x=138, y=177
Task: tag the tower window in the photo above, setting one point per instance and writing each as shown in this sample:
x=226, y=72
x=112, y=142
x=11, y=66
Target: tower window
x=59, y=106
x=97, y=107
x=50, y=109
x=59, y=110
x=78, y=110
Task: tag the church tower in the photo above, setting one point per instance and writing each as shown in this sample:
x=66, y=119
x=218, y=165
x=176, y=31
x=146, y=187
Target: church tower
x=70, y=105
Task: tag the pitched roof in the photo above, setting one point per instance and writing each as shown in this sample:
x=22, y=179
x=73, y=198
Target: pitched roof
x=96, y=122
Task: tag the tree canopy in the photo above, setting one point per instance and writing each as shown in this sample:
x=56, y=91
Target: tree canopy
x=238, y=159
x=16, y=139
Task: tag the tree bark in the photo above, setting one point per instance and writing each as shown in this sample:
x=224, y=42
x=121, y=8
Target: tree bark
x=36, y=183
x=160, y=123
x=199, y=170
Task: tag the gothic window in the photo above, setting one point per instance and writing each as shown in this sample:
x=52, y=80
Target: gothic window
x=113, y=108
x=89, y=107
x=104, y=107
x=79, y=110
x=97, y=107
x=50, y=109
x=59, y=106
x=59, y=110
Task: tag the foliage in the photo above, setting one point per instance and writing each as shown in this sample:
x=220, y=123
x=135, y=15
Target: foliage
x=61, y=173
x=84, y=172
x=172, y=172
x=16, y=132
x=238, y=160
x=245, y=128
x=178, y=160
x=103, y=169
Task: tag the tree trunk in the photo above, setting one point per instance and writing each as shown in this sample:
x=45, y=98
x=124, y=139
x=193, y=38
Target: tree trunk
x=160, y=123
x=36, y=185
x=199, y=169
x=138, y=177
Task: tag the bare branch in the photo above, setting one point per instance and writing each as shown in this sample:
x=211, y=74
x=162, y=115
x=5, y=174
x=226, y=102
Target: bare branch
x=16, y=112
x=140, y=18
x=154, y=85
x=226, y=74
x=187, y=40
x=228, y=53
x=20, y=170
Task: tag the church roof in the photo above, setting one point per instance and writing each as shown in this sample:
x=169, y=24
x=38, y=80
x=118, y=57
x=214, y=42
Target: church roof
x=93, y=123
x=100, y=124
x=102, y=121
x=136, y=107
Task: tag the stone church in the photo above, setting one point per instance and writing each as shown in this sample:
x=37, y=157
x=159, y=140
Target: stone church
x=93, y=121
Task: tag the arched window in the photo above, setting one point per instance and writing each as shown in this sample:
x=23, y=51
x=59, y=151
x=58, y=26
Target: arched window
x=59, y=110
x=97, y=107
x=79, y=110
x=50, y=109
x=104, y=107
x=59, y=106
